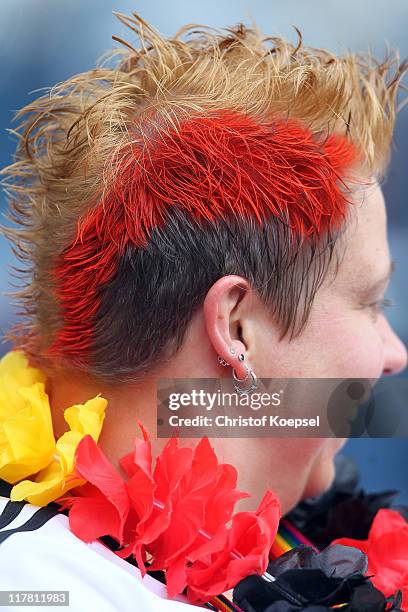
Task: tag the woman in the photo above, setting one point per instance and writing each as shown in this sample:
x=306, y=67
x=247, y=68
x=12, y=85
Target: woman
x=203, y=202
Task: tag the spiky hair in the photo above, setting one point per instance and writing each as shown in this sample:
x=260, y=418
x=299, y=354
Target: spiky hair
x=175, y=144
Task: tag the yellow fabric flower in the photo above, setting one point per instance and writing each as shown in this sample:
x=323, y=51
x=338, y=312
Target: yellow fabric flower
x=26, y=437
x=27, y=442
x=58, y=477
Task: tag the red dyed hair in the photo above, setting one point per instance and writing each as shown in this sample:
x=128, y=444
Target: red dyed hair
x=212, y=167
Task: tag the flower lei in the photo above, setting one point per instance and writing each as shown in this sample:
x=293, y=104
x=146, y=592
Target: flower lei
x=173, y=518
x=27, y=443
x=177, y=517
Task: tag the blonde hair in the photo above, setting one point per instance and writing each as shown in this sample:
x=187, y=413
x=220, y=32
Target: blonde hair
x=71, y=138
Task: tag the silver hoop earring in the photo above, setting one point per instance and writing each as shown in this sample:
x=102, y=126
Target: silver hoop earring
x=236, y=380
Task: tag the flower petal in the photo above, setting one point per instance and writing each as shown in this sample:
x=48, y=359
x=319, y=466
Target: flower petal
x=92, y=465
x=47, y=486
x=28, y=439
x=87, y=418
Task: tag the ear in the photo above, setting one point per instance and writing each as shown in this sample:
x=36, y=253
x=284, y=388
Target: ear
x=224, y=309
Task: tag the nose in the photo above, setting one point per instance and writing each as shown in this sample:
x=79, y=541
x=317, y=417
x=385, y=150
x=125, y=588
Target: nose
x=395, y=351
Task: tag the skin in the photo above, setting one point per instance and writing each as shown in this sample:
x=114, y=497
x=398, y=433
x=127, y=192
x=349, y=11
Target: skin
x=347, y=334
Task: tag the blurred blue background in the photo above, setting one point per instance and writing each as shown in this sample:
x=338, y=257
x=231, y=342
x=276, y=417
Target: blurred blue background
x=44, y=42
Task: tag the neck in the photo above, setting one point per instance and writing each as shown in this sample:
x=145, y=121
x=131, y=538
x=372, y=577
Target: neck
x=129, y=403
x=126, y=405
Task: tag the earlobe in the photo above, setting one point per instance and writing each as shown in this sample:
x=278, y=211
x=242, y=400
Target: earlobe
x=250, y=374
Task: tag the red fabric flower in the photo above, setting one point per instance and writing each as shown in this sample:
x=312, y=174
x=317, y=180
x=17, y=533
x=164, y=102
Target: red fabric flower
x=175, y=516
x=387, y=552
x=235, y=553
x=102, y=505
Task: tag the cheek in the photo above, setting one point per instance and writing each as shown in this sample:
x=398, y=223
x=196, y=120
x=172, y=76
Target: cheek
x=360, y=351
x=350, y=343
x=338, y=342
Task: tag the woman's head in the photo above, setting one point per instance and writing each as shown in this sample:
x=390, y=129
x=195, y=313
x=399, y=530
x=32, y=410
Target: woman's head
x=347, y=335
x=206, y=191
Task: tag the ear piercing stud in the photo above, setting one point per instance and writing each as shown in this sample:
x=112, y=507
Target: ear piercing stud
x=222, y=361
